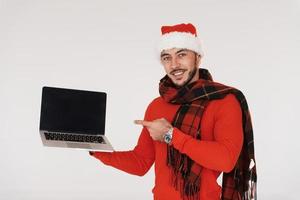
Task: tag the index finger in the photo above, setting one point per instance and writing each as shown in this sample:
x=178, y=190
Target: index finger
x=142, y=122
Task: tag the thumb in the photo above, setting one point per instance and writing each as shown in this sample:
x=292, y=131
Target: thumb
x=142, y=122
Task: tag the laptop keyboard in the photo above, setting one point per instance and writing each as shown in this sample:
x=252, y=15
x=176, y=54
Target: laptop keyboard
x=74, y=137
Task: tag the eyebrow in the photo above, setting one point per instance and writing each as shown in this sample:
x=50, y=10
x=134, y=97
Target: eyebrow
x=181, y=50
x=164, y=54
x=177, y=52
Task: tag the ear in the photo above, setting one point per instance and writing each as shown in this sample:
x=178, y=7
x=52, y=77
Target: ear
x=198, y=60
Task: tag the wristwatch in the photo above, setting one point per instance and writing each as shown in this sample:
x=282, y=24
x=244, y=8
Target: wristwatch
x=168, y=136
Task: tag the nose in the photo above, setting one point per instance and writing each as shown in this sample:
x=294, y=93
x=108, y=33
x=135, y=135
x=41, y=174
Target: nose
x=174, y=63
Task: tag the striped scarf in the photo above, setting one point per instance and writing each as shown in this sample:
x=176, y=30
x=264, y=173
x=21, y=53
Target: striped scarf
x=240, y=183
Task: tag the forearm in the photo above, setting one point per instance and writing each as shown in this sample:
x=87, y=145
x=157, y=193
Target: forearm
x=137, y=162
x=215, y=155
x=127, y=161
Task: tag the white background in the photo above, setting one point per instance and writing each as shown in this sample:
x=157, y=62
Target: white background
x=110, y=46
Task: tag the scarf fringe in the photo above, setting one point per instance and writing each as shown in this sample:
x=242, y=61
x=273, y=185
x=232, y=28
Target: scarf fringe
x=251, y=193
x=189, y=188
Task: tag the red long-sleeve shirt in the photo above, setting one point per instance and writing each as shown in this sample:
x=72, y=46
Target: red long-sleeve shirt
x=217, y=151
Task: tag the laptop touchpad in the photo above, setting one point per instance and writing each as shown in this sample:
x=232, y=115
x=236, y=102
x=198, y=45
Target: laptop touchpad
x=78, y=145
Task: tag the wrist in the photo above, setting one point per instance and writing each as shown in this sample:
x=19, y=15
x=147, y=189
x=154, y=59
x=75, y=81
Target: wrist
x=168, y=136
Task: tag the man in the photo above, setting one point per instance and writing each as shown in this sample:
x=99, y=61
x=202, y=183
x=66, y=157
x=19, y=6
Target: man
x=194, y=131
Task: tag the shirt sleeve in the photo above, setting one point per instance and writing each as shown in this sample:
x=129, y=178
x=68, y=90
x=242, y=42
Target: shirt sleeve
x=222, y=153
x=137, y=161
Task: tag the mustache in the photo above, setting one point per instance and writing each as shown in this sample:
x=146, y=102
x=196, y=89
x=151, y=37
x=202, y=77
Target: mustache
x=178, y=69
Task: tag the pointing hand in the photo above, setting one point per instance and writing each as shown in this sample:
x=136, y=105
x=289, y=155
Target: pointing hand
x=157, y=128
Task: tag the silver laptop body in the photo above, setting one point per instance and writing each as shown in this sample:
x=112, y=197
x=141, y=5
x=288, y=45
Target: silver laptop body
x=73, y=119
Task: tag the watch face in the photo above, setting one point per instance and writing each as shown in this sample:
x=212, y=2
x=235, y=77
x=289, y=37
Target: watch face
x=167, y=139
x=168, y=136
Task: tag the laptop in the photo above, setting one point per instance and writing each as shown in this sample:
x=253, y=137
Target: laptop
x=72, y=118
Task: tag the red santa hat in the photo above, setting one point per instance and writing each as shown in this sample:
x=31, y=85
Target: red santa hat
x=180, y=36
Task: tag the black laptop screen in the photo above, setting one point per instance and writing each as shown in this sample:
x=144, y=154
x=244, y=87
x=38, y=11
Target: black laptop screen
x=68, y=110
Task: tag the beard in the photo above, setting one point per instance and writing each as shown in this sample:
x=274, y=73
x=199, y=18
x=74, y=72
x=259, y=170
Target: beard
x=188, y=80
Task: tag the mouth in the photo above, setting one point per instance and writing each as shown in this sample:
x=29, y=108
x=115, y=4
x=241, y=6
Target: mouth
x=178, y=74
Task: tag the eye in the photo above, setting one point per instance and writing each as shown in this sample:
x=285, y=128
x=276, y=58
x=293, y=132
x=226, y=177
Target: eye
x=182, y=54
x=166, y=58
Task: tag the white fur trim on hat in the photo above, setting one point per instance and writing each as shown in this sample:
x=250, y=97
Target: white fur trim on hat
x=180, y=40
